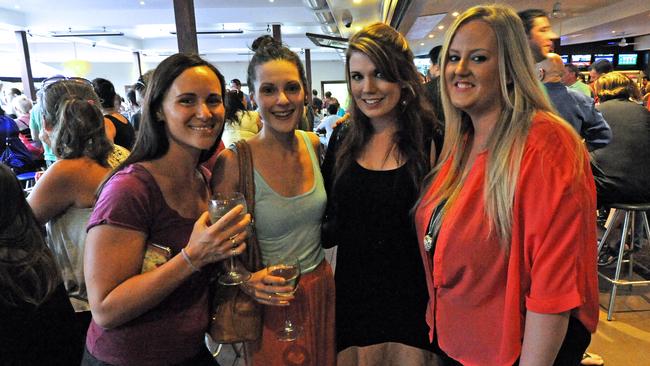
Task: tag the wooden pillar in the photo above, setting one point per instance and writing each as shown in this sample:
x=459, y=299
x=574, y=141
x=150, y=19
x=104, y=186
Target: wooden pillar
x=138, y=63
x=277, y=34
x=308, y=72
x=26, y=69
x=186, y=26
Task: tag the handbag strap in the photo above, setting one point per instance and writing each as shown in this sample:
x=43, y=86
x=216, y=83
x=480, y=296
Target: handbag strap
x=252, y=257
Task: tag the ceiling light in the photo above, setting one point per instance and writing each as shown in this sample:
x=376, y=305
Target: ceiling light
x=455, y=14
x=221, y=31
x=431, y=36
x=141, y=2
x=328, y=41
x=16, y=6
x=357, y=1
x=441, y=27
x=70, y=33
x=421, y=43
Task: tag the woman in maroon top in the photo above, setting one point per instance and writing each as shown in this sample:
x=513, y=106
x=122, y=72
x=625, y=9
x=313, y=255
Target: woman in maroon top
x=160, y=316
x=506, y=223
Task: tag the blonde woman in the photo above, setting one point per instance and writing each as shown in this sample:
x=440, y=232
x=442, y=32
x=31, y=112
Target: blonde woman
x=506, y=222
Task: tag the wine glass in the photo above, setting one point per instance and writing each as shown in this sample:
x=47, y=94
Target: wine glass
x=289, y=269
x=218, y=206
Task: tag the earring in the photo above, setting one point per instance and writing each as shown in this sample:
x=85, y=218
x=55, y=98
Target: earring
x=404, y=102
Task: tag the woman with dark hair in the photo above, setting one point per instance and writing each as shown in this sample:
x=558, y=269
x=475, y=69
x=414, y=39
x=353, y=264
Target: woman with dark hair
x=289, y=205
x=505, y=223
x=124, y=132
x=372, y=170
x=150, y=205
x=240, y=123
x=63, y=197
x=37, y=322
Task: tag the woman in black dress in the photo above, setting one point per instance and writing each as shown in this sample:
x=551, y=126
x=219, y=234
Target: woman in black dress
x=372, y=171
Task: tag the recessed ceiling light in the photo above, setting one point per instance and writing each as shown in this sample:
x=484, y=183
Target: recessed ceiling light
x=357, y=1
x=17, y=6
x=358, y=28
x=421, y=43
x=441, y=27
x=271, y=1
x=455, y=14
x=613, y=32
x=142, y=3
x=431, y=36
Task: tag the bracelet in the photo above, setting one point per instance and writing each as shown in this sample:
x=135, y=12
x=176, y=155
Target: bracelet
x=188, y=261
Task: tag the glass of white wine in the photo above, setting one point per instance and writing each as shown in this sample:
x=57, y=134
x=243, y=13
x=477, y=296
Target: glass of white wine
x=289, y=269
x=218, y=206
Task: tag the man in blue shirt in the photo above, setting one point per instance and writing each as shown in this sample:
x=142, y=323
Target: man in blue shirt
x=576, y=108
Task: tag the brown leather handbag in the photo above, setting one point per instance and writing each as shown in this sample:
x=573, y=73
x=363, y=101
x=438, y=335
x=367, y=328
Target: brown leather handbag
x=235, y=316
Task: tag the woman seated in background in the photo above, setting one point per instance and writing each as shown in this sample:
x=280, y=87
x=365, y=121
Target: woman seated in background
x=64, y=195
x=372, y=170
x=240, y=123
x=506, y=222
x=622, y=168
x=289, y=205
x=124, y=132
x=151, y=204
x=37, y=323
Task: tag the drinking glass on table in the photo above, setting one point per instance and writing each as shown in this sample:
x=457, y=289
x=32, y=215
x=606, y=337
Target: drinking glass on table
x=289, y=269
x=218, y=206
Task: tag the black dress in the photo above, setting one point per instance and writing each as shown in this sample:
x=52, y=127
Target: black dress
x=381, y=293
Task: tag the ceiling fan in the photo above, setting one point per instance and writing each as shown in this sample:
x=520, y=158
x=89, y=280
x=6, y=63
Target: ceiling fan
x=622, y=43
x=556, y=11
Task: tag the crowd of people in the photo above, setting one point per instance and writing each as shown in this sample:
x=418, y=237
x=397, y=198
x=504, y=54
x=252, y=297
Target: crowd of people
x=462, y=209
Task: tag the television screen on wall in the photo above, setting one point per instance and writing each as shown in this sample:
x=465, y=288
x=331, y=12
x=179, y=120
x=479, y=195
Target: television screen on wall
x=581, y=60
x=627, y=59
x=609, y=57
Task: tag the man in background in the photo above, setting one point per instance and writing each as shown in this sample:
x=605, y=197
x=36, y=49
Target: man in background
x=235, y=84
x=433, y=85
x=571, y=79
x=539, y=32
x=576, y=108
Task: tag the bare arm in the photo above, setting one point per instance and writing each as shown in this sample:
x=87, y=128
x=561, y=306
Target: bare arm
x=543, y=336
x=118, y=293
x=53, y=193
x=110, y=129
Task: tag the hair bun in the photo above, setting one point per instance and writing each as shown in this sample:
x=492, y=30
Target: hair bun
x=263, y=42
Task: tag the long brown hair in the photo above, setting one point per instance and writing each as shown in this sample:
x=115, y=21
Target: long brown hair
x=390, y=53
x=28, y=273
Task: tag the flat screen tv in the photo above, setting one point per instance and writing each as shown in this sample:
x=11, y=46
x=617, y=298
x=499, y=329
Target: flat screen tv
x=565, y=59
x=609, y=57
x=581, y=60
x=627, y=59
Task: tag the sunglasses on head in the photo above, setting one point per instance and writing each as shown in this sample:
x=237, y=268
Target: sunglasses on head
x=55, y=79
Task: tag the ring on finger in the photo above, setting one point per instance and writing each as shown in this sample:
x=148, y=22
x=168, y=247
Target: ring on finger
x=232, y=240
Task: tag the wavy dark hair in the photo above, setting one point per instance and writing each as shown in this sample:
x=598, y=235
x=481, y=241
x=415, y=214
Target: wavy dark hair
x=267, y=49
x=28, y=272
x=391, y=55
x=234, y=104
x=152, y=142
x=70, y=110
x=105, y=91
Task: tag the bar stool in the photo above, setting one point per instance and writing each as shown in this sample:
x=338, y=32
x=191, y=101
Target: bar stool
x=27, y=180
x=630, y=211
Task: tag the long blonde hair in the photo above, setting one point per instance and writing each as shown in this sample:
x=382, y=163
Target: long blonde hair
x=520, y=99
